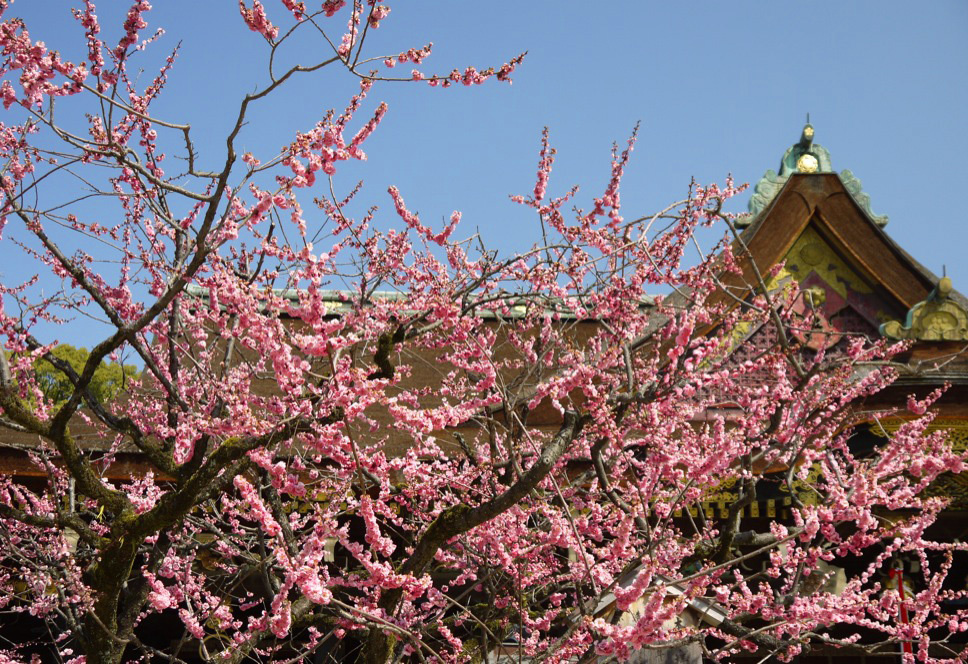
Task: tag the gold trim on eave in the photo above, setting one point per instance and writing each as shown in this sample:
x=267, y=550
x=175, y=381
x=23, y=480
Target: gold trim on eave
x=938, y=318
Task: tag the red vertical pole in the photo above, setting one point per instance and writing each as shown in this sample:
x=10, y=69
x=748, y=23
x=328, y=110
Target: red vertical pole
x=897, y=574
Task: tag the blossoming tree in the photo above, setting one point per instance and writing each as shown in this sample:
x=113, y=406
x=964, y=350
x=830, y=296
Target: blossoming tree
x=456, y=455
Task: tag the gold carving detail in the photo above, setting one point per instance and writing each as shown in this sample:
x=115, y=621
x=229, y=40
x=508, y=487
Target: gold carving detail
x=805, y=488
x=957, y=430
x=811, y=253
x=807, y=163
x=952, y=486
x=938, y=318
x=724, y=492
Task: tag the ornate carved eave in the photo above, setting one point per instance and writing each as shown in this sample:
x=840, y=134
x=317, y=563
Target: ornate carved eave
x=938, y=318
x=805, y=156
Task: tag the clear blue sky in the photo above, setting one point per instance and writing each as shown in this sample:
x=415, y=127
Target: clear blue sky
x=718, y=87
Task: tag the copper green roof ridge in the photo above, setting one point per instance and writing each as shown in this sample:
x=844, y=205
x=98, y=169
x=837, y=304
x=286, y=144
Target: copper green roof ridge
x=808, y=157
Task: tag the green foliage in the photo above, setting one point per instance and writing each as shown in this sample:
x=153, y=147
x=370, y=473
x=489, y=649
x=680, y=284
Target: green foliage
x=109, y=379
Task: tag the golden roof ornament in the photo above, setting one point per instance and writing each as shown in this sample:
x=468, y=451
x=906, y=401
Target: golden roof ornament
x=806, y=157
x=938, y=318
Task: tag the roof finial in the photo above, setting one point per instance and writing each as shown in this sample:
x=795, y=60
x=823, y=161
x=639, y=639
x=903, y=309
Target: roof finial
x=804, y=157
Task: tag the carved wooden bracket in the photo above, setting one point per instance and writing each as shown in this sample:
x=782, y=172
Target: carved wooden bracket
x=938, y=318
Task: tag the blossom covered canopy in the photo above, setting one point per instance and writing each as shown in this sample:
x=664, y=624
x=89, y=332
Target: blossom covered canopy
x=462, y=450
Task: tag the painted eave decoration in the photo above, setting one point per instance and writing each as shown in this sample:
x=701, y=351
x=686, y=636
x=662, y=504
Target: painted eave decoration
x=937, y=318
